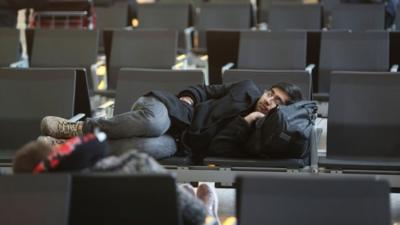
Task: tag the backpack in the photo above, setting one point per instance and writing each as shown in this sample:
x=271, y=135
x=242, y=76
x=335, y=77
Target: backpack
x=285, y=132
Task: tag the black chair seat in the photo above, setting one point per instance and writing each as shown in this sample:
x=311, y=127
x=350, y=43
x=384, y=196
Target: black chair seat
x=233, y=162
x=176, y=161
x=360, y=163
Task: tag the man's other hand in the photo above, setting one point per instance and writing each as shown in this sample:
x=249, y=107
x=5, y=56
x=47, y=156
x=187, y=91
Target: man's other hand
x=253, y=117
x=187, y=99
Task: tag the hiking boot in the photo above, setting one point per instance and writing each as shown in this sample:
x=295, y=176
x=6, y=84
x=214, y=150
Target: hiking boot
x=209, y=197
x=61, y=128
x=47, y=140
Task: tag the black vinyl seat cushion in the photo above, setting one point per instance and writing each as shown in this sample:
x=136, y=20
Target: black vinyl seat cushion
x=391, y=164
x=176, y=161
x=252, y=162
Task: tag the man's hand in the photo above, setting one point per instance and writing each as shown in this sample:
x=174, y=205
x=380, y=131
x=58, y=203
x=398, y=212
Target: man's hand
x=253, y=117
x=187, y=99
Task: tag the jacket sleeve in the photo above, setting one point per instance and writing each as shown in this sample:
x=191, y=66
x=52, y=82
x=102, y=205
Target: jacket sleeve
x=201, y=93
x=229, y=142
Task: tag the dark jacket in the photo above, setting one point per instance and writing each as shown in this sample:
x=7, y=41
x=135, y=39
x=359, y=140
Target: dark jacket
x=231, y=141
x=215, y=106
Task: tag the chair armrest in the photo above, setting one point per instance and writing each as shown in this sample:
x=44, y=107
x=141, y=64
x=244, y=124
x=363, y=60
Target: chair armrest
x=262, y=26
x=106, y=109
x=394, y=68
x=23, y=63
x=227, y=66
x=315, y=140
x=188, y=38
x=310, y=68
x=107, y=104
x=322, y=97
x=77, y=117
x=188, y=30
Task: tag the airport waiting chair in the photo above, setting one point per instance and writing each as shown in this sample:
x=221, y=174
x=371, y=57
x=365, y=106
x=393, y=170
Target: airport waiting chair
x=35, y=200
x=229, y=16
x=174, y=16
x=264, y=7
x=283, y=16
x=358, y=17
x=272, y=50
x=312, y=200
x=10, y=51
x=351, y=51
x=65, y=48
x=363, y=125
x=110, y=14
x=124, y=199
x=154, y=49
x=28, y=95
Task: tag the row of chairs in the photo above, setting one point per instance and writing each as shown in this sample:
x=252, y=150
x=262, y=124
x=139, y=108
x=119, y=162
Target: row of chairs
x=254, y=50
x=152, y=200
x=362, y=129
x=281, y=16
x=88, y=199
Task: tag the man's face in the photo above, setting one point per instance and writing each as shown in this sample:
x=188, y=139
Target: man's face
x=270, y=99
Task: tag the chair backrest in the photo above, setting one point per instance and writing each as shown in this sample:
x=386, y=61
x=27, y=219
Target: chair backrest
x=141, y=49
x=174, y=16
x=364, y=115
x=164, y=16
x=35, y=200
x=358, y=17
x=133, y=83
x=64, y=48
x=224, y=16
x=266, y=78
x=9, y=46
x=113, y=15
x=264, y=7
x=230, y=16
x=118, y=199
x=26, y=96
x=312, y=200
x=294, y=16
x=352, y=51
x=272, y=50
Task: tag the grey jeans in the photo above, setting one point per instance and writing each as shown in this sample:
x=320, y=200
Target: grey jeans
x=142, y=128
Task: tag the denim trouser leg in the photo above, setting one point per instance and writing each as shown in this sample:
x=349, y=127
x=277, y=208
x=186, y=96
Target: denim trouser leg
x=157, y=147
x=148, y=118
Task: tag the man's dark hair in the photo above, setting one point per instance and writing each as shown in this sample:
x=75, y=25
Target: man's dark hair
x=292, y=90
